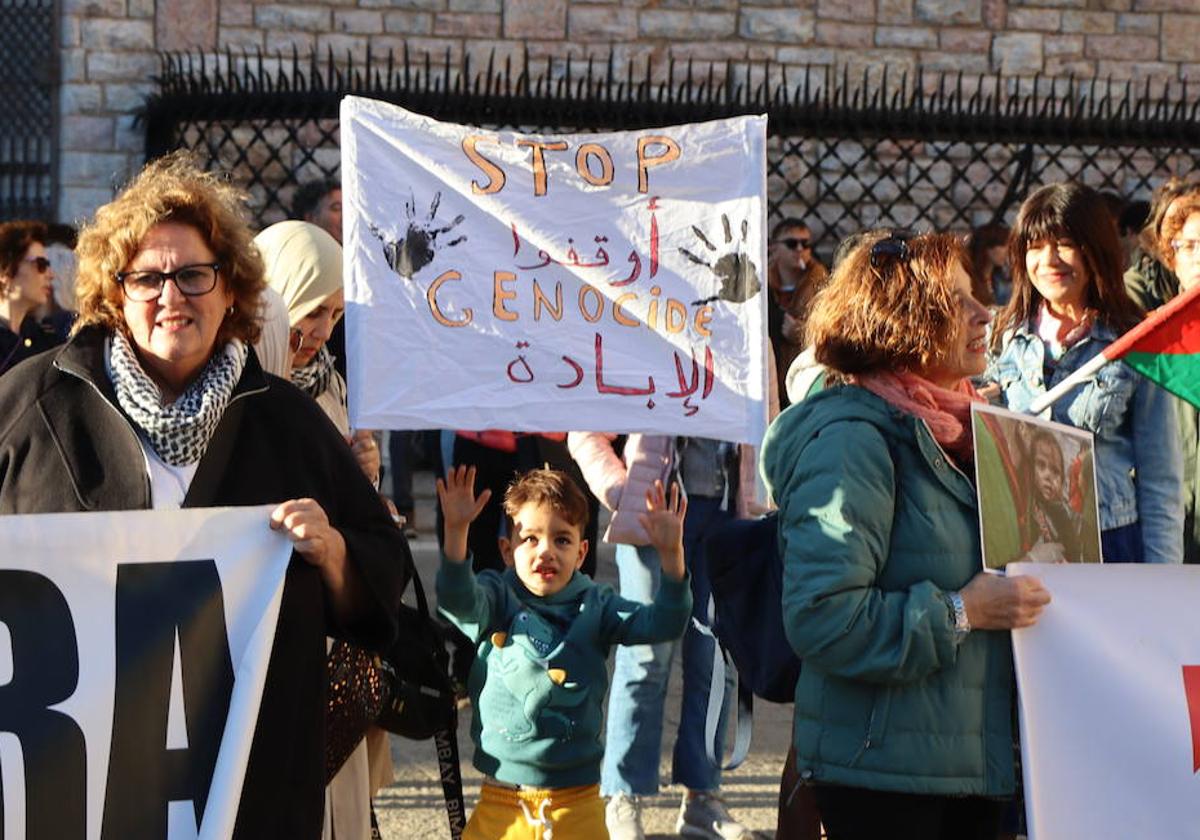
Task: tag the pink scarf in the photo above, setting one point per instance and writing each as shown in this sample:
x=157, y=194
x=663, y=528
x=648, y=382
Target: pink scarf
x=946, y=412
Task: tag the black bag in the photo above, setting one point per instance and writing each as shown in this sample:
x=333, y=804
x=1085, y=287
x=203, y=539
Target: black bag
x=421, y=702
x=745, y=615
x=745, y=570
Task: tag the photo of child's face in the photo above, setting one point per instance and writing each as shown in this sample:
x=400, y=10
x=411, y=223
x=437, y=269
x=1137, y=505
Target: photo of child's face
x=1048, y=470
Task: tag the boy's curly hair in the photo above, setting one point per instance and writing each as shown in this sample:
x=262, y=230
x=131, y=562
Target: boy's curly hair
x=548, y=487
x=170, y=189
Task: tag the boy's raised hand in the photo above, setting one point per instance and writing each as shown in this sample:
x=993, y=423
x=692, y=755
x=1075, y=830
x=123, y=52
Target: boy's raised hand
x=460, y=507
x=663, y=522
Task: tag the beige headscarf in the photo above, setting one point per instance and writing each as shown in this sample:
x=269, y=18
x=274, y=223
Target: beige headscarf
x=304, y=264
x=272, y=346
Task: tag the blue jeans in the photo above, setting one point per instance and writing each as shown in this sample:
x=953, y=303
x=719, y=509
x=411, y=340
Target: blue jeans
x=633, y=740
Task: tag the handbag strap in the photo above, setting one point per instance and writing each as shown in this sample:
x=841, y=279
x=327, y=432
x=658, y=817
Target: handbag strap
x=445, y=744
x=744, y=723
x=419, y=591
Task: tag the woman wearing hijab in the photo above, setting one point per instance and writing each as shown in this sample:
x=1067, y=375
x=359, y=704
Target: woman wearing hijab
x=304, y=266
x=158, y=401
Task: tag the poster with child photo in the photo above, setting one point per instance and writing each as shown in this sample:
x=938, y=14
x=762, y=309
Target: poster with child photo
x=1036, y=482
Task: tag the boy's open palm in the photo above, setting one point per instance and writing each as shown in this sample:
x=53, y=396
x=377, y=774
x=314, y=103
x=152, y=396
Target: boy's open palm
x=456, y=494
x=663, y=522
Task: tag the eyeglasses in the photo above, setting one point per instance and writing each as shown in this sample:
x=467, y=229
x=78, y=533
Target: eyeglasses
x=40, y=264
x=191, y=280
x=1186, y=247
x=895, y=246
x=794, y=242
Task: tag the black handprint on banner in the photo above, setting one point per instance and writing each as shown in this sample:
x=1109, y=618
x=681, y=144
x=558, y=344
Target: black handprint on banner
x=409, y=255
x=736, y=272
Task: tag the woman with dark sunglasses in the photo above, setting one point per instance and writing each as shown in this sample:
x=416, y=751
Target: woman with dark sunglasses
x=25, y=284
x=793, y=276
x=902, y=716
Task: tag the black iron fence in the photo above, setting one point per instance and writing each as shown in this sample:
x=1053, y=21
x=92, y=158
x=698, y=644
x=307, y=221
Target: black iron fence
x=921, y=151
x=28, y=125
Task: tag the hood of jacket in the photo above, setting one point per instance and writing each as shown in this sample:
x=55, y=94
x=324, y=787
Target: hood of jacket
x=803, y=422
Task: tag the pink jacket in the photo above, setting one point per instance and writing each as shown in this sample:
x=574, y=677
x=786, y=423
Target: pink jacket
x=621, y=485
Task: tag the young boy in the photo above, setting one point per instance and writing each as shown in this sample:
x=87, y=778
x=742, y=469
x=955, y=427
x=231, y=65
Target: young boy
x=544, y=633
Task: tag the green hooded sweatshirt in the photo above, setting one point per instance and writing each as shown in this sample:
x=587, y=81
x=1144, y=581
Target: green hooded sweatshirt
x=539, y=679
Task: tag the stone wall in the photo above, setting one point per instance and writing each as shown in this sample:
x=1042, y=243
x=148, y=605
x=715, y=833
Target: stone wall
x=110, y=46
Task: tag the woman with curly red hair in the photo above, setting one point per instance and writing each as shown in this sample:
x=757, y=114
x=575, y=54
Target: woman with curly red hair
x=158, y=401
x=902, y=711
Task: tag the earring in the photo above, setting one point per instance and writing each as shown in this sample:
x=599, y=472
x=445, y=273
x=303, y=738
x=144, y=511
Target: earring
x=229, y=311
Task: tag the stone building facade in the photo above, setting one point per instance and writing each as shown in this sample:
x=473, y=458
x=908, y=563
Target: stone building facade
x=110, y=47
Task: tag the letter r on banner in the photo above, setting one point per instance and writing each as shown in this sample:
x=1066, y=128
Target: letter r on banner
x=45, y=668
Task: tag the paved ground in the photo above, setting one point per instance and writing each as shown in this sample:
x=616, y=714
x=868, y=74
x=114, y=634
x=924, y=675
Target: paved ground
x=413, y=806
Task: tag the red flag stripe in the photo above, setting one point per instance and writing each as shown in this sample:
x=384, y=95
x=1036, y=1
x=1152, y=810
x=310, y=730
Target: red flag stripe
x=1191, y=688
x=1172, y=328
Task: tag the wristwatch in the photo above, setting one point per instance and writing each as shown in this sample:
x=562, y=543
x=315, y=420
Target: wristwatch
x=958, y=614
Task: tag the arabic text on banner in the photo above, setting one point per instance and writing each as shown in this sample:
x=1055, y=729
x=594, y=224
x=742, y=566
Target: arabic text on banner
x=592, y=282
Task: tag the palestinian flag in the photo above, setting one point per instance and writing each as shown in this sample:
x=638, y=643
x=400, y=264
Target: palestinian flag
x=1165, y=347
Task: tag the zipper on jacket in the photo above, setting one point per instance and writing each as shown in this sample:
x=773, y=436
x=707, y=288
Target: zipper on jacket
x=146, y=485
x=954, y=466
x=866, y=744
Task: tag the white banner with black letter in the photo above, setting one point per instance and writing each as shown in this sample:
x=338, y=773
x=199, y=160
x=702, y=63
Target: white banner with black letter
x=1109, y=683
x=133, y=652
x=539, y=283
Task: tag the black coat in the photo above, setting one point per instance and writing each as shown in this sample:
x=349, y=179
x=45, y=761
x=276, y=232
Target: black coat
x=32, y=338
x=64, y=447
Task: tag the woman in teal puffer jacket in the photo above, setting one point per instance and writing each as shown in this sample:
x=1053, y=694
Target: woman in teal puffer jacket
x=903, y=713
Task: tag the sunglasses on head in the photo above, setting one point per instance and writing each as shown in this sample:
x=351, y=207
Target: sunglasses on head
x=794, y=242
x=893, y=247
x=40, y=263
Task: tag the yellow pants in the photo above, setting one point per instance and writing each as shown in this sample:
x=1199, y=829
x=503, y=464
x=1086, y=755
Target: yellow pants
x=575, y=813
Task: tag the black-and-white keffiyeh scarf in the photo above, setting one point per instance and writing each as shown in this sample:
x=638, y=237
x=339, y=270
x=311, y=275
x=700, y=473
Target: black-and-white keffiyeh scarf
x=314, y=377
x=178, y=432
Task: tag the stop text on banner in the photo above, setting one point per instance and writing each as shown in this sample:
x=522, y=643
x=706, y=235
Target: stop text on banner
x=610, y=282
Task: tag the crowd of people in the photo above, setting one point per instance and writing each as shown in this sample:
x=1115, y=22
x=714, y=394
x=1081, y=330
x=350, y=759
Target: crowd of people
x=204, y=367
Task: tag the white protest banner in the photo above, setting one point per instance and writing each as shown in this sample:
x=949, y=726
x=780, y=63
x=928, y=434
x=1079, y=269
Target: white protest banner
x=1109, y=682
x=133, y=653
x=591, y=282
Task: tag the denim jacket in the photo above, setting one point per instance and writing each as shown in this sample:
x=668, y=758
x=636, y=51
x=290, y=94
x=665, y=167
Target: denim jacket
x=1138, y=460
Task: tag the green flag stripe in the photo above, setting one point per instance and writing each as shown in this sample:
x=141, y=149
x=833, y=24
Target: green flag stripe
x=1175, y=372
